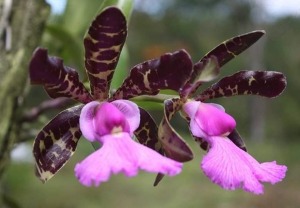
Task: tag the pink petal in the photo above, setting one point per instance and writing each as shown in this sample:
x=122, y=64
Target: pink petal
x=131, y=112
x=208, y=119
x=109, y=119
x=86, y=120
x=120, y=154
x=232, y=168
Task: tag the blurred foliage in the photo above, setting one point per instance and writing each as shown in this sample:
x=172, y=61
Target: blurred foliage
x=197, y=26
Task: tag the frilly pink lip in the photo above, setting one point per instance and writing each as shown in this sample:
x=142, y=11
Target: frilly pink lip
x=230, y=167
x=113, y=124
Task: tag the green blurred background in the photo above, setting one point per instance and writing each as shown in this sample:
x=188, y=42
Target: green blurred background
x=270, y=127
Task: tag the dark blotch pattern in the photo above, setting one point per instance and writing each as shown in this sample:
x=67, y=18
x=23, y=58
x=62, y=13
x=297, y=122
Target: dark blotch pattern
x=170, y=71
x=56, y=142
x=103, y=44
x=57, y=79
x=264, y=83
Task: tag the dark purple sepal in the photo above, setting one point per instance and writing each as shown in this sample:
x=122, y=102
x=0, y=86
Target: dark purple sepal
x=264, y=83
x=232, y=47
x=170, y=71
x=174, y=146
x=57, y=79
x=235, y=137
x=206, y=71
x=56, y=143
x=147, y=132
x=103, y=44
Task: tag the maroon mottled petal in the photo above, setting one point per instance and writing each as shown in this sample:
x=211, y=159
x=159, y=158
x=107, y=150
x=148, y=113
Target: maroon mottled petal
x=147, y=132
x=264, y=83
x=232, y=47
x=103, y=44
x=57, y=79
x=56, y=143
x=170, y=71
x=222, y=53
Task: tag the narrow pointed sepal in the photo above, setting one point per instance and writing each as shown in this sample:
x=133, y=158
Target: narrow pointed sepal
x=232, y=47
x=103, y=44
x=170, y=71
x=57, y=79
x=264, y=83
x=56, y=143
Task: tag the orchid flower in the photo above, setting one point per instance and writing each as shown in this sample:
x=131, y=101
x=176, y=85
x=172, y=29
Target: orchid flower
x=57, y=141
x=227, y=163
x=112, y=124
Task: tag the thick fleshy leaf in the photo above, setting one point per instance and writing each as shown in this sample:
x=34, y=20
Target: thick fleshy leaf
x=264, y=83
x=57, y=79
x=103, y=44
x=56, y=143
x=147, y=132
x=206, y=71
x=174, y=146
x=170, y=71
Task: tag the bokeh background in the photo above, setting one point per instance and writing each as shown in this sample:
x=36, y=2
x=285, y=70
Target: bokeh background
x=270, y=127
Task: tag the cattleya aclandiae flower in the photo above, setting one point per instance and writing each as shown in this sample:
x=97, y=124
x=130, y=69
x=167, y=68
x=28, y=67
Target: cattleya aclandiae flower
x=111, y=120
x=227, y=163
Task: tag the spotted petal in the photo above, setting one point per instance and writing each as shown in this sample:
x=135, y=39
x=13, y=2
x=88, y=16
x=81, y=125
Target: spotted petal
x=57, y=79
x=232, y=47
x=264, y=83
x=170, y=71
x=103, y=44
x=56, y=143
x=147, y=132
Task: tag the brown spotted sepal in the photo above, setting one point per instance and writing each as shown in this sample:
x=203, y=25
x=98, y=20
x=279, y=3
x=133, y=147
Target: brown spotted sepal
x=174, y=146
x=147, y=132
x=170, y=71
x=58, y=80
x=232, y=47
x=56, y=143
x=103, y=44
x=264, y=83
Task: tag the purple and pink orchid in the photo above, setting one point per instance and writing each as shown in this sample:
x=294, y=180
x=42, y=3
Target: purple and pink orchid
x=130, y=140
